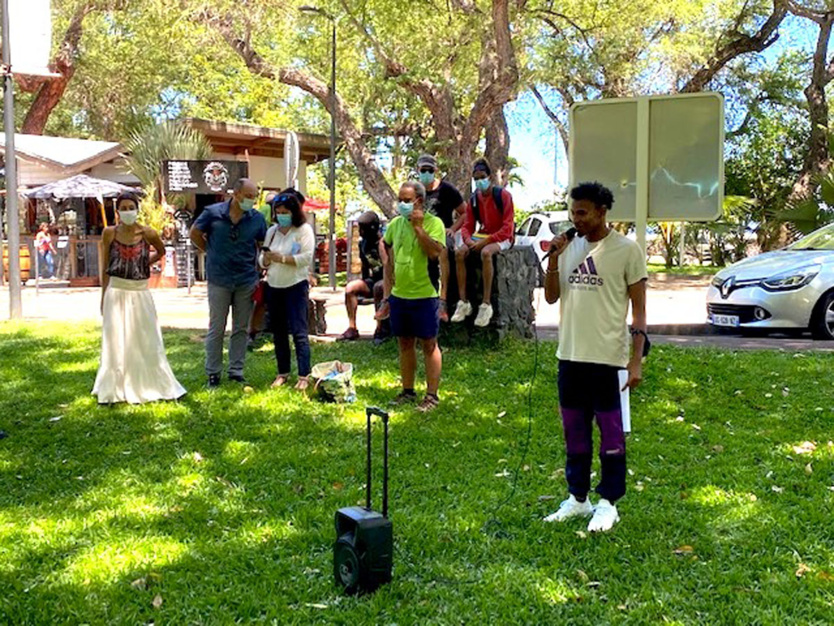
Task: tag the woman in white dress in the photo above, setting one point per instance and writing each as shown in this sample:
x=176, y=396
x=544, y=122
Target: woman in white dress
x=286, y=255
x=133, y=367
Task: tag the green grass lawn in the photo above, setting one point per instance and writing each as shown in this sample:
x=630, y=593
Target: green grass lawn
x=219, y=509
x=686, y=270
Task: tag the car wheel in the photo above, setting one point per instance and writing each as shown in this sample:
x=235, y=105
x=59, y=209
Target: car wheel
x=822, y=326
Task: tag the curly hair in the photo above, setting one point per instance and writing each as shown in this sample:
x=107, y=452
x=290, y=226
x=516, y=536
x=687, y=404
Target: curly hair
x=594, y=192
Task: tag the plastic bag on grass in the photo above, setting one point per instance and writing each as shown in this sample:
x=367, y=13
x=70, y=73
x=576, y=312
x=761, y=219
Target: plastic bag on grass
x=333, y=381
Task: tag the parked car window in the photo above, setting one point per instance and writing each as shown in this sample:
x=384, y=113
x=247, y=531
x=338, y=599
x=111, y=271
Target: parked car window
x=557, y=228
x=522, y=230
x=823, y=239
x=535, y=225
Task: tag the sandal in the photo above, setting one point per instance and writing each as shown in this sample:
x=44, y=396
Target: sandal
x=302, y=384
x=404, y=397
x=351, y=334
x=280, y=380
x=430, y=403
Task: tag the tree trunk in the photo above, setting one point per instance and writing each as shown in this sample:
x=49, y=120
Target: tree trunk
x=498, y=147
x=52, y=90
x=373, y=180
x=817, y=159
x=458, y=134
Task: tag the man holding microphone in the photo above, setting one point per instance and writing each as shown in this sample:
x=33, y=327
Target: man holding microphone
x=596, y=274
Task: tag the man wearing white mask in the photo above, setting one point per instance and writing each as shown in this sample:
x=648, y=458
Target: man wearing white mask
x=413, y=239
x=231, y=234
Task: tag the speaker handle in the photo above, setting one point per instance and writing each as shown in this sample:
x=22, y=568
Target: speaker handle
x=369, y=412
x=385, y=468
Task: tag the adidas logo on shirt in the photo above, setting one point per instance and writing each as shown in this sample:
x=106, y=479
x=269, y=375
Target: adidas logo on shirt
x=586, y=274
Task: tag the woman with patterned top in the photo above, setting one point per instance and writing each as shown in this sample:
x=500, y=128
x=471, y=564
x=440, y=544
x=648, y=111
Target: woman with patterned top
x=133, y=366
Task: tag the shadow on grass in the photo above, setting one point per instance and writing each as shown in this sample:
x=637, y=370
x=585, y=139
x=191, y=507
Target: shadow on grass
x=222, y=504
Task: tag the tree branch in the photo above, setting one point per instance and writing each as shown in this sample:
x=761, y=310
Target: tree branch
x=438, y=100
x=560, y=126
x=373, y=180
x=801, y=11
x=499, y=75
x=741, y=44
x=51, y=90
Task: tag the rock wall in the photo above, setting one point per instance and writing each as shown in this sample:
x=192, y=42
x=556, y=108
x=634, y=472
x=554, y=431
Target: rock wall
x=516, y=277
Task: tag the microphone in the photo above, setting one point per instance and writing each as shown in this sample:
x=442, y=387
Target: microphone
x=570, y=233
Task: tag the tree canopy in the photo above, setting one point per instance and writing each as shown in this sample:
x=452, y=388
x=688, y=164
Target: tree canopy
x=425, y=75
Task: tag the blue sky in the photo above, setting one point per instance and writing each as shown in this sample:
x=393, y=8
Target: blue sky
x=535, y=144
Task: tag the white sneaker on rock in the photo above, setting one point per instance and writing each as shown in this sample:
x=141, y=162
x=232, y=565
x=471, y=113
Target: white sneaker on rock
x=484, y=314
x=605, y=516
x=462, y=311
x=571, y=508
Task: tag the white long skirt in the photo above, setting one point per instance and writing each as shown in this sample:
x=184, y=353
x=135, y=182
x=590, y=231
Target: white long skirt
x=133, y=366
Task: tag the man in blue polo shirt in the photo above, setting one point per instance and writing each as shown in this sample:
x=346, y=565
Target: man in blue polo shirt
x=230, y=233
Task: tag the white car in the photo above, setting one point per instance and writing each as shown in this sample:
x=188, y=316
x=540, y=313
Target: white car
x=785, y=289
x=539, y=229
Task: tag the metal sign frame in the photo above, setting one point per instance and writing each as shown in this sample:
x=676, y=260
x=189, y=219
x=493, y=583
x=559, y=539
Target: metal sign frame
x=642, y=156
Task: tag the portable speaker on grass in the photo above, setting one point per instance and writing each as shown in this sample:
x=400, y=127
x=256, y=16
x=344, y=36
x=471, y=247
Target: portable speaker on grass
x=363, y=553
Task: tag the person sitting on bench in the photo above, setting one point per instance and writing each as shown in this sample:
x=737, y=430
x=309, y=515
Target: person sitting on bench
x=372, y=254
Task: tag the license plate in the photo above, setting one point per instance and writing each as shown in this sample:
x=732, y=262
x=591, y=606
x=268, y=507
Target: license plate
x=725, y=320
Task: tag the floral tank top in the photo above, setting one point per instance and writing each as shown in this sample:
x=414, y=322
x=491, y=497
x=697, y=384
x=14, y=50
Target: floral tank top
x=129, y=261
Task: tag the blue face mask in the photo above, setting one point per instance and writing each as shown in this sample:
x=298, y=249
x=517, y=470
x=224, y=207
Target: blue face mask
x=427, y=178
x=247, y=204
x=284, y=220
x=482, y=184
x=405, y=208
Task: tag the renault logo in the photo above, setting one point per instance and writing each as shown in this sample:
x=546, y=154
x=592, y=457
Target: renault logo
x=727, y=287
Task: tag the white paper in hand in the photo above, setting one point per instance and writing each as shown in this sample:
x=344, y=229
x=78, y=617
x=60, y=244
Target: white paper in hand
x=625, y=406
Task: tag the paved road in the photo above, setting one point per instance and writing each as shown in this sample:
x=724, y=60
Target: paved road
x=674, y=305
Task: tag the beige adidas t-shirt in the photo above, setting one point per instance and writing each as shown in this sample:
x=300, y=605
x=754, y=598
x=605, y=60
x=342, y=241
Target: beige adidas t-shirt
x=593, y=281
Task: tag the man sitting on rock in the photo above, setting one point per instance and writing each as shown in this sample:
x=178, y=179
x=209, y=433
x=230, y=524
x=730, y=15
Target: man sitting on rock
x=491, y=209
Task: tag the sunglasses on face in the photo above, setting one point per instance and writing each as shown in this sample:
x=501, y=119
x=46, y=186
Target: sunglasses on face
x=234, y=232
x=427, y=170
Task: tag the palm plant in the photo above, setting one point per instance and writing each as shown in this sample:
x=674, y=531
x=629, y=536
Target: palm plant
x=809, y=214
x=147, y=149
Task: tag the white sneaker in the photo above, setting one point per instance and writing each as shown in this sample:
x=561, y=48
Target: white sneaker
x=462, y=311
x=571, y=508
x=605, y=516
x=484, y=314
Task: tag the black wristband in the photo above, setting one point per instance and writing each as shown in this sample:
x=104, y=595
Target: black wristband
x=648, y=343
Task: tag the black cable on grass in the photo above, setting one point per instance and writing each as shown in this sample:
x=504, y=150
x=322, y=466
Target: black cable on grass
x=493, y=525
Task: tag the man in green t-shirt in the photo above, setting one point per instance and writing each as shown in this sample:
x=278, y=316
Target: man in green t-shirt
x=413, y=239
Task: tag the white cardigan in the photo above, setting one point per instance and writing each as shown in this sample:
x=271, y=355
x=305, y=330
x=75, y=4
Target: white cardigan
x=300, y=242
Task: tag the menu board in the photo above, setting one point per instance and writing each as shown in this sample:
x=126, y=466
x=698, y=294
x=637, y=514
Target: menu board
x=207, y=177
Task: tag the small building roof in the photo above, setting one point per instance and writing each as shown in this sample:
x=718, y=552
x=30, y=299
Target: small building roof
x=238, y=139
x=63, y=152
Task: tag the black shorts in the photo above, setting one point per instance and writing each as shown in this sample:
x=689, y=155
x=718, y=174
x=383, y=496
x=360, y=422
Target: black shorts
x=415, y=318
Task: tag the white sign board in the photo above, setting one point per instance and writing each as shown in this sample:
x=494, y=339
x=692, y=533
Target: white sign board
x=662, y=156
x=30, y=36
